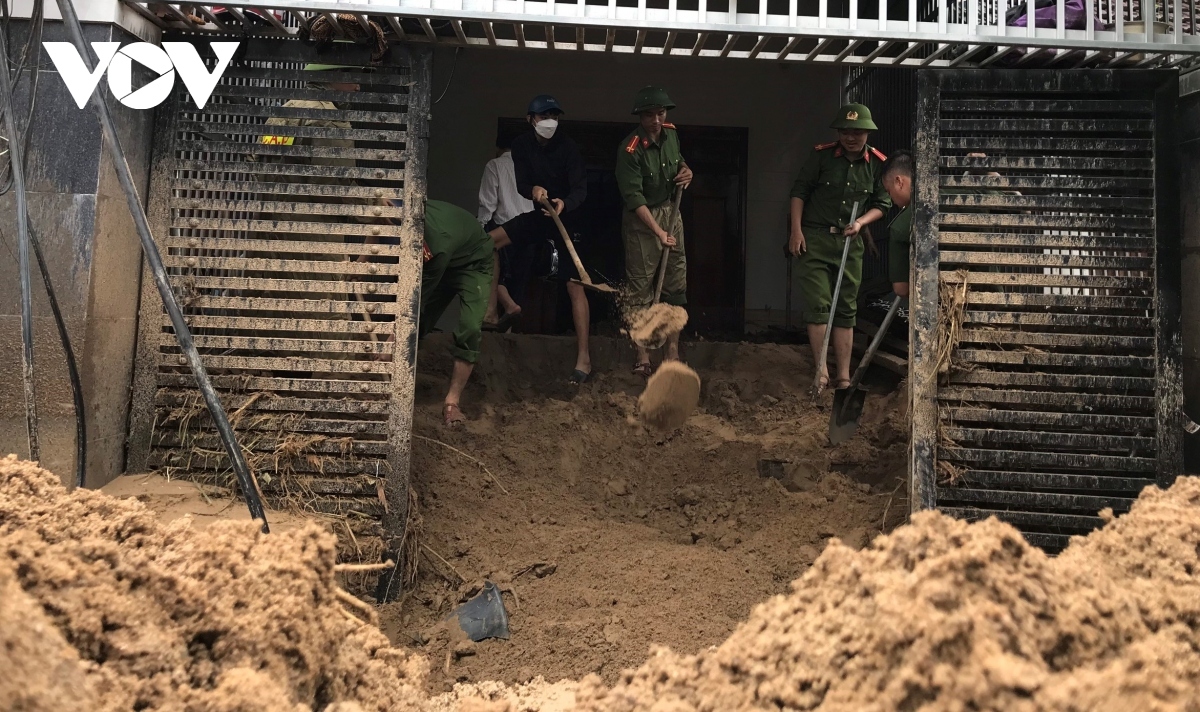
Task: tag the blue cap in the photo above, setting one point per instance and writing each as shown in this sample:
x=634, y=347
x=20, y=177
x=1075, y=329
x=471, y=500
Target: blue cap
x=544, y=104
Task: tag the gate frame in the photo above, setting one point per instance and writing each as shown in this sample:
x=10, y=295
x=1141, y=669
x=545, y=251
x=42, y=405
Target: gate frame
x=404, y=359
x=1167, y=282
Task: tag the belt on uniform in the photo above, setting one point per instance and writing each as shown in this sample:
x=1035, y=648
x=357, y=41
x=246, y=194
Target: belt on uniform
x=833, y=229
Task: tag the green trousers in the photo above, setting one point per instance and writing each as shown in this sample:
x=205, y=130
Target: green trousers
x=642, y=254
x=471, y=283
x=816, y=272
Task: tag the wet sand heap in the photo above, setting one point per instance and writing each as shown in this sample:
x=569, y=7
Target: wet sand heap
x=103, y=608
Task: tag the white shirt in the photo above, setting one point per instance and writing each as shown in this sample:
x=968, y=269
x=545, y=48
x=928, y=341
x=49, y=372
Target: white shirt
x=498, y=196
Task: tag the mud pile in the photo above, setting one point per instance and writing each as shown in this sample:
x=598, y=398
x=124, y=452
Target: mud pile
x=103, y=608
x=943, y=615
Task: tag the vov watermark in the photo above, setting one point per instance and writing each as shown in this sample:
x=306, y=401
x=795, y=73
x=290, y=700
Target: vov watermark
x=165, y=61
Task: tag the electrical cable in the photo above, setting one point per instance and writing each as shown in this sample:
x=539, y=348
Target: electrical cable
x=16, y=167
x=451, y=77
x=154, y=260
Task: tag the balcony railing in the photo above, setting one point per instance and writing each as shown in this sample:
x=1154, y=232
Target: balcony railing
x=1066, y=33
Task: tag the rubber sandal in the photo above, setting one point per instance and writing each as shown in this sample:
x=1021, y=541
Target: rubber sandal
x=508, y=318
x=452, y=416
x=842, y=384
x=578, y=377
x=645, y=370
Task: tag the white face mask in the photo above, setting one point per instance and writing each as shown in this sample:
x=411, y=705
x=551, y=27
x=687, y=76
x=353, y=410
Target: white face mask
x=546, y=128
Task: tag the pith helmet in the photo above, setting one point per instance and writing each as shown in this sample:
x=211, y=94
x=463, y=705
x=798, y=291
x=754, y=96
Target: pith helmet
x=650, y=97
x=854, y=116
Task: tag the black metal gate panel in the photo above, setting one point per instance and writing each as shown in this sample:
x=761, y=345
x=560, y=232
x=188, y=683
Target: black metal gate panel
x=1045, y=311
x=289, y=213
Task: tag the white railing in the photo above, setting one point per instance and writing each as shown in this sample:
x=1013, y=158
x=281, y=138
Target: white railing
x=1068, y=33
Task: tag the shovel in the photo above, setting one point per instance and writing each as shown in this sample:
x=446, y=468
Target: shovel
x=666, y=251
x=584, y=279
x=848, y=402
x=823, y=360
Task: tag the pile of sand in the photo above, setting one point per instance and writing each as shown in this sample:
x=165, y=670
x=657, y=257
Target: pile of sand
x=103, y=608
x=944, y=615
x=670, y=397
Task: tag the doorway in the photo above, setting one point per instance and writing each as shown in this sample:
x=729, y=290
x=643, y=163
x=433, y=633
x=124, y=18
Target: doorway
x=713, y=211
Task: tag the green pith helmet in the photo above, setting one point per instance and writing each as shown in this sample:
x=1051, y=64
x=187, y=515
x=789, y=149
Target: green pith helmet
x=854, y=116
x=651, y=97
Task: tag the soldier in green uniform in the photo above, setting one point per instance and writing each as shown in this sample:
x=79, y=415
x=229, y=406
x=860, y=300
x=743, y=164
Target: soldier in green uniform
x=898, y=182
x=835, y=176
x=649, y=166
x=458, y=263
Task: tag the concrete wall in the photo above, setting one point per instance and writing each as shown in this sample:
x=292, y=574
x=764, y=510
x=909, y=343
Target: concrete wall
x=787, y=109
x=79, y=212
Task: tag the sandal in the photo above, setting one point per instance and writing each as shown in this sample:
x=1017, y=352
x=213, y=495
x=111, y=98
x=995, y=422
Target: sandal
x=579, y=377
x=842, y=384
x=452, y=415
x=643, y=369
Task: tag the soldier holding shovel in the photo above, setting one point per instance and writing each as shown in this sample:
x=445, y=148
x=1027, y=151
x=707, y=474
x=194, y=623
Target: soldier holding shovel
x=649, y=168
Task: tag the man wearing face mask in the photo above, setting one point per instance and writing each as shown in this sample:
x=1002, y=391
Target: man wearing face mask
x=548, y=165
x=835, y=176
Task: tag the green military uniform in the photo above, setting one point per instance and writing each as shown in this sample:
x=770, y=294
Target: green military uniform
x=900, y=246
x=830, y=183
x=458, y=263
x=645, y=175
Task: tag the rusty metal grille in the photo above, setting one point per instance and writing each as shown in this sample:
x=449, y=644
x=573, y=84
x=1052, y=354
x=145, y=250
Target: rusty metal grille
x=1045, y=317
x=289, y=213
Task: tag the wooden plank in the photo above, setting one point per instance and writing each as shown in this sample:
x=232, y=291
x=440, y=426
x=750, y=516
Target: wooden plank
x=1052, y=460
x=1085, y=402
x=1050, y=319
x=291, y=207
x=1125, y=384
x=262, y=187
x=252, y=167
x=322, y=426
x=1049, y=440
x=1040, y=520
x=243, y=383
x=1168, y=277
x=1060, y=502
x=289, y=227
x=1086, y=107
x=306, y=306
x=1086, y=302
x=1087, y=183
x=275, y=345
x=295, y=267
x=287, y=364
x=1049, y=242
x=1057, y=145
x=394, y=118
x=306, y=286
x=1073, y=125
x=347, y=447
x=1048, y=222
x=226, y=130
x=280, y=404
x=1059, y=261
x=1105, y=342
x=341, y=153
x=275, y=248
x=332, y=327
x=1041, y=359
x=1092, y=422
x=1050, y=280
x=1046, y=480
x=1071, y=203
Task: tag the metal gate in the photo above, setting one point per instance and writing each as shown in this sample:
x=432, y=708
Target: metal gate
x=1045, y=322
x=289, y=213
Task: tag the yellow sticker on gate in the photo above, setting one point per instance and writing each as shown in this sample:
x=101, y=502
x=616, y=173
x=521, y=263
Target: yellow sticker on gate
x=278, y=140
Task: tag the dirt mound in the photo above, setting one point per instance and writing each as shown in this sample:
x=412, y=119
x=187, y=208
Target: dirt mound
x=652, y=326
x=135, y=615
x=670, y=397
x=944, y=615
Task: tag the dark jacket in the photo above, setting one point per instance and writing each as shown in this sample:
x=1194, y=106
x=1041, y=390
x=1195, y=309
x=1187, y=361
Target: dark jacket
x=557, y=167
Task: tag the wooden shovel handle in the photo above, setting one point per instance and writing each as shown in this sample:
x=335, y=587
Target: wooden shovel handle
x=562, y=230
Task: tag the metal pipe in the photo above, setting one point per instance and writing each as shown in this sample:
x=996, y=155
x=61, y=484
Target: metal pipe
x=182, y=333
x=18, y=173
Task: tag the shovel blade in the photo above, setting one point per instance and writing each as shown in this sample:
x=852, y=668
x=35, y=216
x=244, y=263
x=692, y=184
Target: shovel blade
x=843, y=418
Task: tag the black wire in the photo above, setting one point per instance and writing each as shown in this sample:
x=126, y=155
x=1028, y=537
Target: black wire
x=451, y=77
x=72, y=369
x=18, y=174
